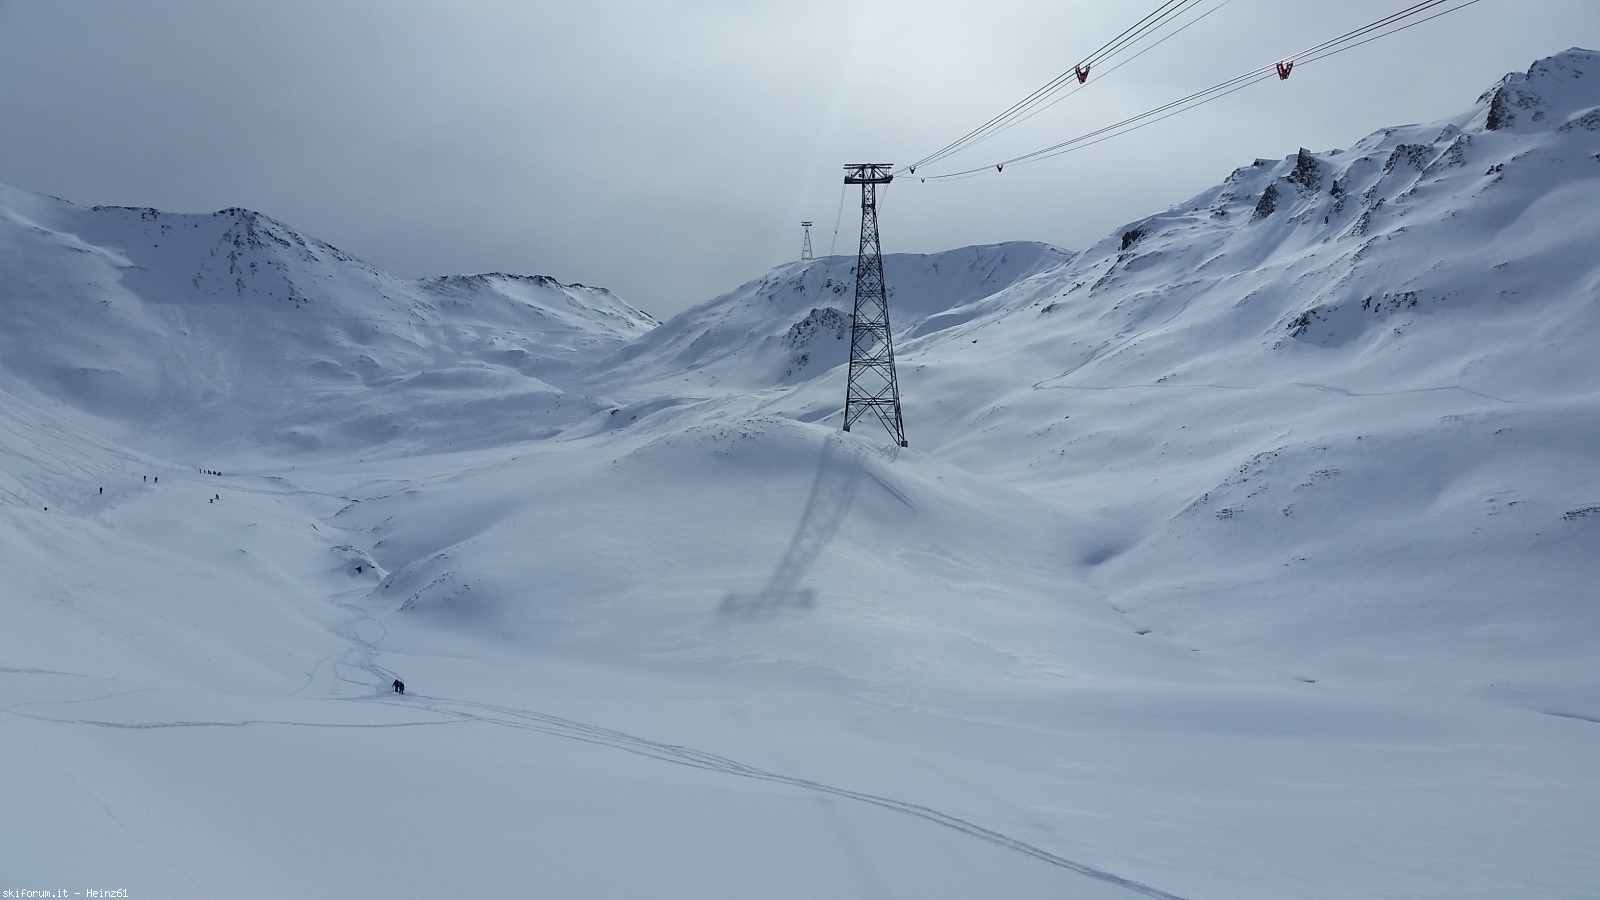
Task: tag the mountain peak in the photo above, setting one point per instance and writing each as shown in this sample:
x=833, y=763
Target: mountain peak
x=186, y=331
x=1551, y=93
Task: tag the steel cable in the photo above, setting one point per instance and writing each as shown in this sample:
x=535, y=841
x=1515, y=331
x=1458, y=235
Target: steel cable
x=1347, y=41
x=1164, y=15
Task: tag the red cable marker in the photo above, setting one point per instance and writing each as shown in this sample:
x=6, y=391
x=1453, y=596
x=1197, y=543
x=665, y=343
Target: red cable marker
x=1168, y=13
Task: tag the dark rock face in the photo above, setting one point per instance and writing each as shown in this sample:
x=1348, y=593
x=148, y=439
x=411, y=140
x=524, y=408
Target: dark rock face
x=1307, y=172
x=1500, y=115
x=802, y=337
x=1268, y=202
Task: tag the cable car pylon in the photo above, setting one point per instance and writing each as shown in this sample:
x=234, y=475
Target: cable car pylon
x=872, y=383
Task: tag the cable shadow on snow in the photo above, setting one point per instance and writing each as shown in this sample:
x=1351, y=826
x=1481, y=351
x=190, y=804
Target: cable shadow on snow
x=832, y=492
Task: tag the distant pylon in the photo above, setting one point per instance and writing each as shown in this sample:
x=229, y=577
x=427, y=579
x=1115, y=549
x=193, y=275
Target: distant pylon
x=873, y=385
x=805, y=248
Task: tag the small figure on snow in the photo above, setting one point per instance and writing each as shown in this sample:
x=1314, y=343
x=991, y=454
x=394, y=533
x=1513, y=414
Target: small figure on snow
x=399, y=686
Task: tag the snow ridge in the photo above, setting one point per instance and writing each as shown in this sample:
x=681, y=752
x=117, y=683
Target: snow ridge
x=181, y=330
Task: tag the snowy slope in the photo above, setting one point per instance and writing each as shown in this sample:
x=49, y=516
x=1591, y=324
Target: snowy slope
x=793, y=324
x=1246, y=554
x=1347, y=394
x=182, y=331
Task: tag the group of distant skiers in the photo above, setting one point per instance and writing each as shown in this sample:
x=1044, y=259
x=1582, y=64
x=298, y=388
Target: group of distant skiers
x=399, y=686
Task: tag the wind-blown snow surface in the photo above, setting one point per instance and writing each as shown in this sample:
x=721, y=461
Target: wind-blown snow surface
x=1247, y=554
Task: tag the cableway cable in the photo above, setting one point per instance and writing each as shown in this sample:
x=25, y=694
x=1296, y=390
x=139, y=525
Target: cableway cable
x=1079, y=71
x=1041, y=108
x=1348, y=41
x=1164, y=15
x=838, y=218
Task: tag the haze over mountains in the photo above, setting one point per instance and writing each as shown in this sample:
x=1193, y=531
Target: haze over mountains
x=1249, y=552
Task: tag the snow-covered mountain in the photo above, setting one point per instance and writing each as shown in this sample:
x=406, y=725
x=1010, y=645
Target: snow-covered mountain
x=1294, y=393
x=1383, y=353
x=793, y=324
x=231, y=331
x=1248, y=553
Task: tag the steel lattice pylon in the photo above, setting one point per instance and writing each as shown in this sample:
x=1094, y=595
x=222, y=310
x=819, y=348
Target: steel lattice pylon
x=873, y=385
x=805, y=248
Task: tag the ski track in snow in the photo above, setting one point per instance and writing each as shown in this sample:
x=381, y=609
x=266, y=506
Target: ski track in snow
x=461, y=711
x=360, y=656
x=570, y=729
x=1569, y=715
x=95, y=798
x=200, y=723
x=7, y=670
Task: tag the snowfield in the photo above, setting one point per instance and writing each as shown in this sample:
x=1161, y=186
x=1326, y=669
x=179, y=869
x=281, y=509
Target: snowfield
x=1248, y=554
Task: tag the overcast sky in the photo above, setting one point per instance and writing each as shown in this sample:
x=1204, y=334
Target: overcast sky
x=668, y=149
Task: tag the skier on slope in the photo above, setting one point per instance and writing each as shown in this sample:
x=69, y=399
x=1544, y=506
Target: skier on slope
x=399, y=686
